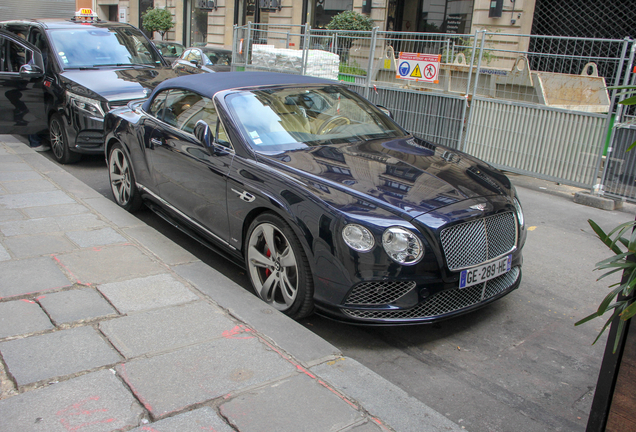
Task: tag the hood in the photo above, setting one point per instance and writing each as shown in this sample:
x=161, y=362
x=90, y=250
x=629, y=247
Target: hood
x=116, y=84
x=406, y=175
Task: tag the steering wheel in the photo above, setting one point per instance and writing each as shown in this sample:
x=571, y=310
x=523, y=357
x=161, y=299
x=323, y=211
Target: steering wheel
x=333, y=123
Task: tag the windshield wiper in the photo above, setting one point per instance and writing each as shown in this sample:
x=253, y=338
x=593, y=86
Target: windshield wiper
x=132, y=65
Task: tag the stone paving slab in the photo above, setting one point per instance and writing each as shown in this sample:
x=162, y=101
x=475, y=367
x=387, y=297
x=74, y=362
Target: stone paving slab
x=54, y=211
x=21, y=317
x=11, y=176
x=56, y=354
x=10, y=215
x=298, y=403
x=112, y=212
x=383, y=399
x=293, y=338
x=13, y=167
x=18, y=278
x=147, y=293
x=43, y=244
x=166, y=329
x=172, y=382
x=31, y=186
x=4, y=254
x=96, y=237
x=95, y=402
x=76, y=305
x=34, y=199
x=202, y=419
x=160, y=245
x=109, y=264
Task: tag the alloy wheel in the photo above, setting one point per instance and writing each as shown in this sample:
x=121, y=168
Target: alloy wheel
x=120, y=179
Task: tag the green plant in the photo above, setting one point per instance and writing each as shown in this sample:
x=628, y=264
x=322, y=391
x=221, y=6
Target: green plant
x=353, y=69
x=350, y=20
x=157, y=20
x=624, y=260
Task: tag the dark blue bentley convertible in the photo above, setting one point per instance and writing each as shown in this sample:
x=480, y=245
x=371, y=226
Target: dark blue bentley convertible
x=326, y=201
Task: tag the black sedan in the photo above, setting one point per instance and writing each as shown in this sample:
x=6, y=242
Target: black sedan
x=204, y=59
x=327, y=202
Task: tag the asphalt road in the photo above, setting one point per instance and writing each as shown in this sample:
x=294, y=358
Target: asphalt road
x=516, y=365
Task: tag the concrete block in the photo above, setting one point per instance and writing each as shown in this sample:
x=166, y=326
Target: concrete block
x=32, y=246
x=96, y=237
x=30, y=276
x=95, y=402
x=56, y=354
x=382, y=398
x=597, y=201
x=76, y=305
x=297, y=403
x=166, y=329
x=147, y=293
x=109, y=264
x=22, y=317
x=203, y=419
x=168, y=251
x=172, y=382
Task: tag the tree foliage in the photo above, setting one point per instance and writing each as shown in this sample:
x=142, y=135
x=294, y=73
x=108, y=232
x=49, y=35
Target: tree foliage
x=157, y=20
x=350, y=20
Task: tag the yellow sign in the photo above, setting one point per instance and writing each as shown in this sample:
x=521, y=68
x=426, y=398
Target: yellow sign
x=417, y=73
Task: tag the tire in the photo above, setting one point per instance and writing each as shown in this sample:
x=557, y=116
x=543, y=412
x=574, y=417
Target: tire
x=122, y=180
x=59, y=141
x=280, y=275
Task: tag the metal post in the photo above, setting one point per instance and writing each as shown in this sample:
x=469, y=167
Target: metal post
x=374, y=37
x=305, y=50
x=287, y=42
x=333, y=43
x=619, y=110
x=462, y=136
x=248, y=44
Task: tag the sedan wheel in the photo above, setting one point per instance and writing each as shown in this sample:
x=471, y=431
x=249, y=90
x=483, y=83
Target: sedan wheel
x=59, y=141
x=122, y=180
x=278, y=267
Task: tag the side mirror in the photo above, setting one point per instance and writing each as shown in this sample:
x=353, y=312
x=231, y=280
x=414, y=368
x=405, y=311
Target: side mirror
x=28, y=71
x=385, y=111
x=204, y=134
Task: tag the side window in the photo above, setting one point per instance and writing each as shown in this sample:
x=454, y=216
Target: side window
x=194, y=55
x=36, y=37
x=13, y=56
x=221, y=136
x=157, y=104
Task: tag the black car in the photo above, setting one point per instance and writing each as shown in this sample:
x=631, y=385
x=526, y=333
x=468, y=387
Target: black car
x=64, y=75
x=326, y=201
x=204, y=59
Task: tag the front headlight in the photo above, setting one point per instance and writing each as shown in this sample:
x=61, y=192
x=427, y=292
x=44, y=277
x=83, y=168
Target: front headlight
x=519, y=211
x=358, y=237
x=88, y=105
x=402, y=245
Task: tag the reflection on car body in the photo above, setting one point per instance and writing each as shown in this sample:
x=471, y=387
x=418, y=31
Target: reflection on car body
x=326, y=201
x=204, y=59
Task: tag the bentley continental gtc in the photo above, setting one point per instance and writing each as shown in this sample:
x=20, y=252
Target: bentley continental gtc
x=326, y=201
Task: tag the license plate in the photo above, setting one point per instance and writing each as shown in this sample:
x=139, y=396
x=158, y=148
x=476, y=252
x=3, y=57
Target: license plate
x=477, y=275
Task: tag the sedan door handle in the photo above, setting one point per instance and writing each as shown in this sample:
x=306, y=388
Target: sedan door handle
x=156, y=141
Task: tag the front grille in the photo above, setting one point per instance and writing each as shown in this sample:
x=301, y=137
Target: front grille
x=472, y=243
x=445, y=301
x=378, y=293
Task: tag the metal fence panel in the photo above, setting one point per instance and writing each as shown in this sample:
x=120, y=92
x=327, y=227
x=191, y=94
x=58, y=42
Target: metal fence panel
x=619, y=176
x=552, y=144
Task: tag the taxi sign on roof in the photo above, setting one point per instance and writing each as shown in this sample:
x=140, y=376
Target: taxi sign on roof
x=85, y=14
x=418, y=67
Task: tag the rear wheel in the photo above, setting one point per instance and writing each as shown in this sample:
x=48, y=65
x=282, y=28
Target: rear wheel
x=278, y=267
x=59, y=141
x=122, y=180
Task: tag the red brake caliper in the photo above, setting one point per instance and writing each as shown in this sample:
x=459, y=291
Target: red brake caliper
x=268, y=271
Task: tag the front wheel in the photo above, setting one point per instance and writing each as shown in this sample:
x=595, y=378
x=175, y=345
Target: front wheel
x=122, y=180
x=278, y=267
x=59, y=141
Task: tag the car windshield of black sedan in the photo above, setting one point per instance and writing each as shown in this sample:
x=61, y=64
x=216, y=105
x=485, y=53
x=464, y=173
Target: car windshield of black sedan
x=94, y=47
x=274, y=120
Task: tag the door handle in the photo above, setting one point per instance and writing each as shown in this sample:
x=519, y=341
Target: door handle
x=156, y=141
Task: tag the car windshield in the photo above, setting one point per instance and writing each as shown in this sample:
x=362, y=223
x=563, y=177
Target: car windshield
x=169, y=49
x=95, y=47
x=281, y=119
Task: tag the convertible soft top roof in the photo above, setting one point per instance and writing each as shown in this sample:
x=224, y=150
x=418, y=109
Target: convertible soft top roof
x=207, y=84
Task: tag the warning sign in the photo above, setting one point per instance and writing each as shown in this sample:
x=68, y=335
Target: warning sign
x=418, y=67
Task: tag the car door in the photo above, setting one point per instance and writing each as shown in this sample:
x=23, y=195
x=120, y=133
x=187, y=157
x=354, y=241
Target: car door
x=22, y=108
x=189, y=176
